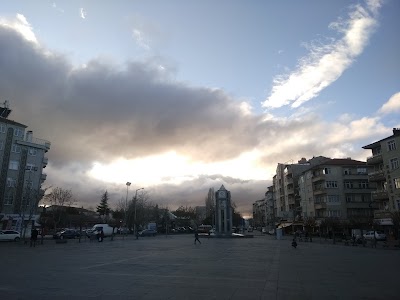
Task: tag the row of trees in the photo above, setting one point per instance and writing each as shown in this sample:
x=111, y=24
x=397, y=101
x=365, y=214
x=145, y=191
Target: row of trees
x=138, y=210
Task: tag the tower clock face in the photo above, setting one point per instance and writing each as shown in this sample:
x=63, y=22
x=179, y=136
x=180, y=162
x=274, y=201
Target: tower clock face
x=222, y=194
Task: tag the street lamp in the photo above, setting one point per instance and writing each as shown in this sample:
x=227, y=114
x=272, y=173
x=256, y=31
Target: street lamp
x=128, y=184
x=134, y=225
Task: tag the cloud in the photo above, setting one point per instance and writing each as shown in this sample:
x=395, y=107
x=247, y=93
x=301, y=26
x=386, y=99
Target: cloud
x=392, y=105
x=109, y=124
x=139, y=38
x=325, y=62
x=20, y=25
x=82, y=13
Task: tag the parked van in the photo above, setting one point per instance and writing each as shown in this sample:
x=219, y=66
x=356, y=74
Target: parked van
x=107, y=230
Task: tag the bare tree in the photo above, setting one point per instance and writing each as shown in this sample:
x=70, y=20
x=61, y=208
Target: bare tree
x=59, y=199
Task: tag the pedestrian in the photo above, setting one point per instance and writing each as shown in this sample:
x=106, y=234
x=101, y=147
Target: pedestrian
x=294, y=243
x=34, y=235
x=101, y=235
x=196, y=237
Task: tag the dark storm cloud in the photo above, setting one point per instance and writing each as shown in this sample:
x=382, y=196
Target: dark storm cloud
x=103, y=111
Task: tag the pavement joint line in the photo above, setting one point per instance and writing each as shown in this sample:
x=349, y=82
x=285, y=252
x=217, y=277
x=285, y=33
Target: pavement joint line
x=178, y=276
x=113, y=262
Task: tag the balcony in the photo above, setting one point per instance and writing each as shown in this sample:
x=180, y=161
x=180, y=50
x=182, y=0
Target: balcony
x=45, y=162
x=319, y=177
x=361, y=205
x=319, y=191
x=320, y=206
x=382, y=214
x=289, y=180
x=44, y=176
x=36, y=143
x=377, y=176
x=380, y=195
x=375, y=159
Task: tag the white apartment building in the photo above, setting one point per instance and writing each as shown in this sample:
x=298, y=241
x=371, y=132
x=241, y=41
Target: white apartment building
x=22, y=158
x=385, y=173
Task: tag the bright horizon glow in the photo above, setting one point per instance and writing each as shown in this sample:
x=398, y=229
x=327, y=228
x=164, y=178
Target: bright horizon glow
x=175, y=169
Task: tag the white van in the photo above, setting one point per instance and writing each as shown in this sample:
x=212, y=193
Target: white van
x=107, y=229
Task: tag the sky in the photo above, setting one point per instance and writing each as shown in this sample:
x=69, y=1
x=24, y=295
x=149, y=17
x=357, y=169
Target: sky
x=177, y=97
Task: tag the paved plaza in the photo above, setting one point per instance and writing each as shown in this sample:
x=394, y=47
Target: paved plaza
x=174, y=268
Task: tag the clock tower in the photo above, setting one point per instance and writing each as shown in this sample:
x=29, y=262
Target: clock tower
x=223, y=212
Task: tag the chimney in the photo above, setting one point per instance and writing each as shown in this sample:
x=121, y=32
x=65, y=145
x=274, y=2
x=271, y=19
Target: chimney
x=396, y=131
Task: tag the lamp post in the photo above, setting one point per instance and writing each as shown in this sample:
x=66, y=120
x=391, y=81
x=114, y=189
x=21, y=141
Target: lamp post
x=134, y=225
x=128, y=184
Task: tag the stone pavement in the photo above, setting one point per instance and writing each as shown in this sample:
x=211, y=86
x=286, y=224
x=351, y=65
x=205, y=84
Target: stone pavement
x=174, y=268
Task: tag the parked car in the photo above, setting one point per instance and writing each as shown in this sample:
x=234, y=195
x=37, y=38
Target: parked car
x=148, y=232
x=379, y=235
x=67, y=234
x=9, y=235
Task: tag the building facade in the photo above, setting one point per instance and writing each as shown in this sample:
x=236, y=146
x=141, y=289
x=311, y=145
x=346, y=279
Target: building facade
x=385, y=174
x=22, y=158
x=337, y=188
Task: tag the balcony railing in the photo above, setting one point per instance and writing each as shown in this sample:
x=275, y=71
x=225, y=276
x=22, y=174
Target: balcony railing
x=380, y=195
x=382, y=214
x=320, y=205
x=375, y=159
x=377, y=176
x=45, y=162
x=319, y=177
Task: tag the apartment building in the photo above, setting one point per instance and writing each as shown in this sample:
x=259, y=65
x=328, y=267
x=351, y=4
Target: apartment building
x=287, y=200
x=385, y=174
x=259, y=213
x=22, y=158
x=337, y=188
x=270, y=208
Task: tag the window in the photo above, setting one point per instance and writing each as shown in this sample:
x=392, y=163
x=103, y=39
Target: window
x=348, y=184
x=331, y=184
x=11, y=182
x=349, y=198
x=1, y=145
x=333, y=199
x=29, y=184
x=30, y=167
x=394, y=163
x=361, y=171
x=18, y=132
x=391, y=145
x=397, y=183
x=346, y=171
x=13, y=165
x=8, y=200
x=327, y=171
x=32, y=151
x=363, y=185
x=3, y=128
x=16, y=148
x=334, y=213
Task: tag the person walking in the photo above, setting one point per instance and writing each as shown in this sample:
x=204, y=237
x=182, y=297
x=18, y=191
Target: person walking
x=34, y=235
x=101, y=235
x=294, y=243
x=196, y=237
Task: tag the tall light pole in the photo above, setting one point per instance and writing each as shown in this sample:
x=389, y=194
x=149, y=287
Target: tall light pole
x=128, y=184
x=134, y=225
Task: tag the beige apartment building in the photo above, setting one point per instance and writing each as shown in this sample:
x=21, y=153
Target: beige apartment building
x=22, y=159
x=337, y=188
x=385, y=174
